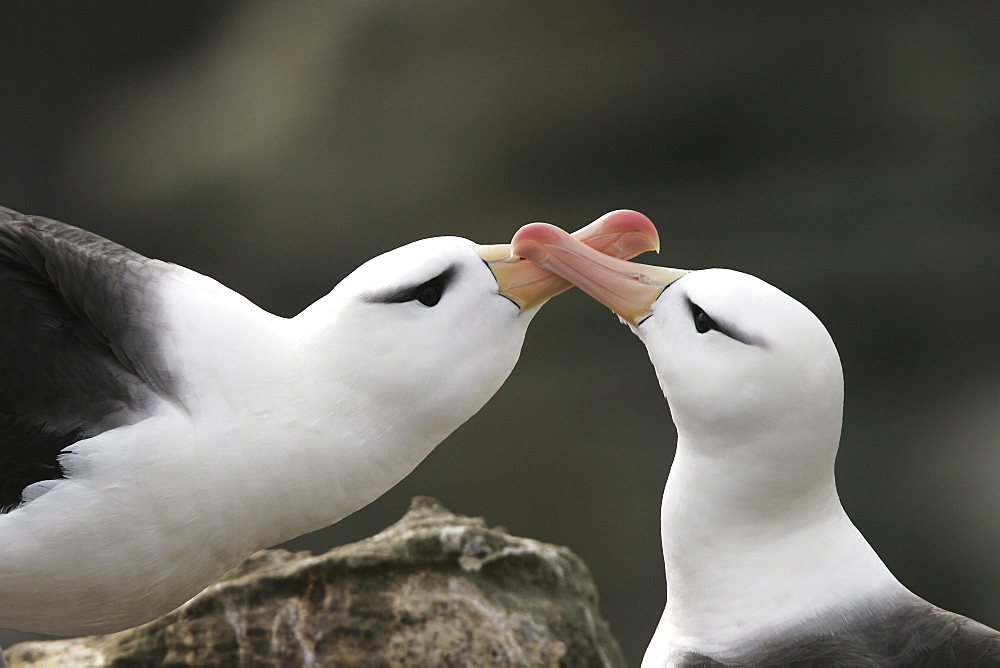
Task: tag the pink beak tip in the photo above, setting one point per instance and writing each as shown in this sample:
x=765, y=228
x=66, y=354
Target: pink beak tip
x=628, y=221
x=529, y=241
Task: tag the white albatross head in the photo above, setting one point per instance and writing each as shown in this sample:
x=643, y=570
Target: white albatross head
x=736, y=357
x=438, y=324
x=739, y=361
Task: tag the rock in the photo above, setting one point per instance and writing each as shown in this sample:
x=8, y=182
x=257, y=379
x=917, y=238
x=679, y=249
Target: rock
x=433, y=589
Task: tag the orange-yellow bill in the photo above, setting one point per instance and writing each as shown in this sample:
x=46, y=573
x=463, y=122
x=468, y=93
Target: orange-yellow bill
x=620, y=234
x=627, y=288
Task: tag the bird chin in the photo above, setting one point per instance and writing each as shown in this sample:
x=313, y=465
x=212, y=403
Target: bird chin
x=633, y=328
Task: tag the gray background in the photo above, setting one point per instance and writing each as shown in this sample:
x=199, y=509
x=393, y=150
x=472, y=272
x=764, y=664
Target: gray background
x=846, y=153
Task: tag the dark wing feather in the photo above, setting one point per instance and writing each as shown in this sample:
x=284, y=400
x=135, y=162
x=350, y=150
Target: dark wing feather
x=78, y=343
x=915, y=633
x=963, y=642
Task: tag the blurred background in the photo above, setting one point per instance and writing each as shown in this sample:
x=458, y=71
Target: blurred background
x=849, y=155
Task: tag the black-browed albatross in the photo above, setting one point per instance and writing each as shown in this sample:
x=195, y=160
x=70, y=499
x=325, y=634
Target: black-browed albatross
x=156, y=427
x=763, y=565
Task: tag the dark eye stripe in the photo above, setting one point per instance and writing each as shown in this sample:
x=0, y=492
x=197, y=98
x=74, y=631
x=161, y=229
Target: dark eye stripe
x=427, y=293
x=704, y=323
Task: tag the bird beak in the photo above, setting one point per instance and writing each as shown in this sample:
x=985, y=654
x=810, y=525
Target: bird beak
x=622, y=234
x=627, y=288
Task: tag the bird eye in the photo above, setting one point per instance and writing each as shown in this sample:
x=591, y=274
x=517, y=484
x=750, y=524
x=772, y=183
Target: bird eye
x=429, y=293
x=702, y=321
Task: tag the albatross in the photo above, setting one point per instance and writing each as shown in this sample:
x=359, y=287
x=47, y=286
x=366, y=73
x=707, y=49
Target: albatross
x=763, y=566
x=156, y=427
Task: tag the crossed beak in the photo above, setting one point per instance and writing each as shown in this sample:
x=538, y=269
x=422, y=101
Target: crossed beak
x=529, y=283
x=627, y=288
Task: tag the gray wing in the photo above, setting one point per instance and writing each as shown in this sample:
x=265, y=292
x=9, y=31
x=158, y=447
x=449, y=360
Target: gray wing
x=915, y=634
x=78, y=343
x=963, y=641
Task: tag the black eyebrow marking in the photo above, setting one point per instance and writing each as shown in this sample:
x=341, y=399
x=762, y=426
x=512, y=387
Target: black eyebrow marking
x=409, y=292
x=728, y=328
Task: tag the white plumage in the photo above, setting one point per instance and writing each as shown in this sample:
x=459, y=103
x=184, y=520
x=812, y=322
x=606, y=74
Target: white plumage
x=763, y=565
x=199, y=428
